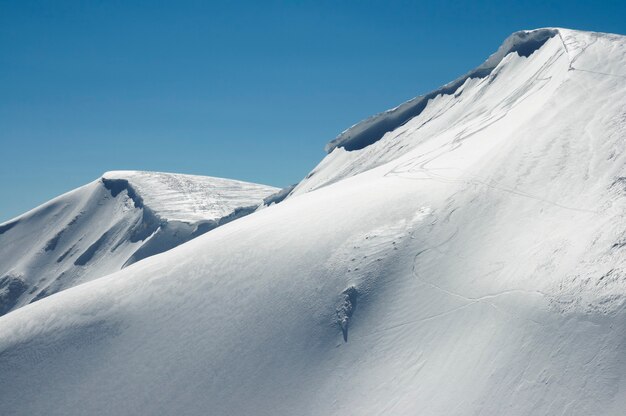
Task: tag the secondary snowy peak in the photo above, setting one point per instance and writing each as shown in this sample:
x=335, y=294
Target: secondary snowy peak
x=112, y=222
x=528, y=68
x=187, y=198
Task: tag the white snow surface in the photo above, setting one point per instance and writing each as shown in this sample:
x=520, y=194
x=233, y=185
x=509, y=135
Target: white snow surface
x=97, y=229
x=474, y=258
x=371, y=129
x=190, y=198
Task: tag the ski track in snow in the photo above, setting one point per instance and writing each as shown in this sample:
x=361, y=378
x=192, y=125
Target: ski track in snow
x=470, y=300
x=412, y=168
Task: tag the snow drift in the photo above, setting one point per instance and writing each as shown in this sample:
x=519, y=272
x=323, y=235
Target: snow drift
x=119, y=219
x=471, y=261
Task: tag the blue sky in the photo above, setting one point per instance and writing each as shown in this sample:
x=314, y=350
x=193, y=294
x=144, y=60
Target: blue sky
x=246, y=90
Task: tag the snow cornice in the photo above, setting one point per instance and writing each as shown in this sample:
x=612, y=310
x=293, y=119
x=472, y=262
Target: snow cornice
x=372, y=129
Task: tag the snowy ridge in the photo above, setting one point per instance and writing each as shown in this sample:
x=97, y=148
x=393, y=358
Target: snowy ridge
x=470, y=262
x=370, y=130
x=190, y=198
x=460, y=109
x=110, y=223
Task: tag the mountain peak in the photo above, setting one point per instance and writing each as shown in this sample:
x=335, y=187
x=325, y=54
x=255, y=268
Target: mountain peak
x=528, y=61
x=184, y=197
x=523, y=42
x=110, y=223
x=370, y=130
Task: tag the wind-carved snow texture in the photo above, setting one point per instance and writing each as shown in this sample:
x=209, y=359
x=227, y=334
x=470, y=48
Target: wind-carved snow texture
x=483, y=241
x=116, y=221
x=11, y=288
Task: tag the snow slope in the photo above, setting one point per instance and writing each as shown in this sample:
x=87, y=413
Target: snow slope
x=114, y=221
x=469, y=262
x=483, y=98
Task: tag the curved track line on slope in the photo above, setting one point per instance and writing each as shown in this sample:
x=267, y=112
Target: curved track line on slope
x=416, y=167
x=582, y=50
x=507, y=103
x=409, y=168
x=599, y=73
x=468, y=299
x=578, y=44
x=512, y=100
x=476, y=180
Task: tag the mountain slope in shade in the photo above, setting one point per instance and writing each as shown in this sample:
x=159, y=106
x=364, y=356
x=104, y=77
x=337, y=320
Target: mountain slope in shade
x=112, y=222
x=472, y=261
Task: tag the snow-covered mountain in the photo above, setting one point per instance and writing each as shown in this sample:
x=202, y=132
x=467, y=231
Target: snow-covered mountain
x=110, y=223
x=462, y=254
x=503, y=94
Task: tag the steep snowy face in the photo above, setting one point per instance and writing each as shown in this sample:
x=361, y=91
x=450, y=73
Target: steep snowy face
x=369, y=131
x=117, y=220
x=515, y=84
x=463, y=264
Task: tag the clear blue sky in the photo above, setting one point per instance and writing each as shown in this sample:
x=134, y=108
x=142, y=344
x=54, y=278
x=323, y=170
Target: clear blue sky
x=246, y=90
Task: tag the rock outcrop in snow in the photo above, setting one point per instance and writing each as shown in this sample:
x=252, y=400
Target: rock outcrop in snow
x=345, y=309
